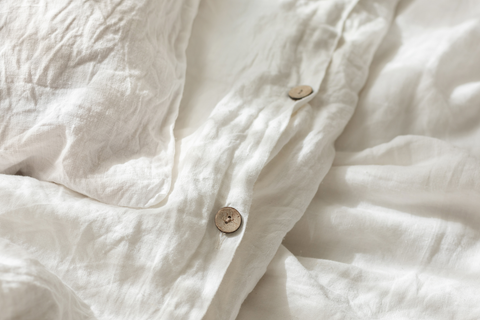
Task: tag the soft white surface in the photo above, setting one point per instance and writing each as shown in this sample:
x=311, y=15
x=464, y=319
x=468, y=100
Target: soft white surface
x=89, y=94
x=394, y=229
x=254, y=149
x=28, y=291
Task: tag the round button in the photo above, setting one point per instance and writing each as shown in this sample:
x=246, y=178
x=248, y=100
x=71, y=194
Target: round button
x=300, y=92
x=228, y=220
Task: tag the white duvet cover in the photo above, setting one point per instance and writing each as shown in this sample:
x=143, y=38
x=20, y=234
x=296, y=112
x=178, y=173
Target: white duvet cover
x=394, y=229
x=388, y=142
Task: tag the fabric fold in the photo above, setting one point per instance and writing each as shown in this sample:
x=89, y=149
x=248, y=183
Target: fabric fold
x=290, y=180
x=335, y=103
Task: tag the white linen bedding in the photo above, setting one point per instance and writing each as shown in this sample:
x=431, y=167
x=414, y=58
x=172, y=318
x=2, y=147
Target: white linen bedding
x=89, y=94
x=168, y=261
x=392, y=232
x=394, y=229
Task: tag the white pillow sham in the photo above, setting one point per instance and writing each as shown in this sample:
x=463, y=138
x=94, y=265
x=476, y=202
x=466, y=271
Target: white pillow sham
x=89, y=93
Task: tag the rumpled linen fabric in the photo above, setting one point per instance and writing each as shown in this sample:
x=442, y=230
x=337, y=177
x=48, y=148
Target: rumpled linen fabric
x=394, y=229
x=360, y=201
x=89, y=94
x=240, y=141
